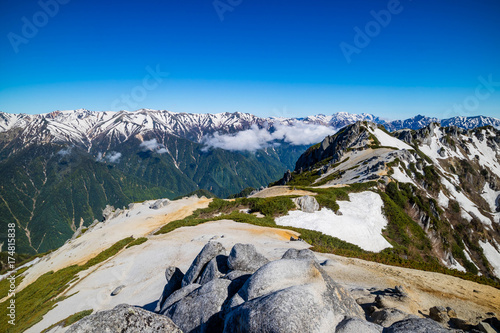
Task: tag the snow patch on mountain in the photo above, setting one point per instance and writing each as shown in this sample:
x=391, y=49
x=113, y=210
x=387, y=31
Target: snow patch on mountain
x=493, y=256
x=361, y=222
x=387, y=140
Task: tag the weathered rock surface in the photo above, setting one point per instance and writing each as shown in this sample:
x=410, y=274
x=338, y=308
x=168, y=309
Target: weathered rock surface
x=117, y=290
x=290, y=295
x=159, y=204
x=387, y=317
x=357, y=325
x=178, y=295
x=416, y=325
x=199, y=311
x=299, y=254
x=439, y=314
x=174, y=278
x=216, y=268
x=244, y=257
x=209, y=251
x=307, y=204
x=125, y=319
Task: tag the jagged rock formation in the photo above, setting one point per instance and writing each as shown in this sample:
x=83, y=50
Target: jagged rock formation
x=125, y=319
x=287, y=295
x=445, y=179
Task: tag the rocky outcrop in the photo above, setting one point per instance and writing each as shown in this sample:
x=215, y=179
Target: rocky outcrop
x=299, y=254
x=125, y=319
x=307, y=204
x=292, y=294
x=209, y=252
x=159, y=204
x=416, y=325
x=244, y=257
x=352, y=136
x=174, y=278
x=356, y=325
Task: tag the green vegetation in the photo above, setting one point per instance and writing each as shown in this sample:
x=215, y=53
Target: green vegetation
x=52, y=190
x=138, y=241
x=244, y=193
x=411, y=248
x=303, y=179
x=70, y=320
x=38, y=298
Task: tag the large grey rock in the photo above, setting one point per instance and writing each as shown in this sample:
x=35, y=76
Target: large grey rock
x=125, y=319
x=299, y=254
x=178, y=295
x=159, y=204
x=209, y=251
x=174, y=278
x=244, y=257
x=416, y=325
x=307, y=204
x=200, y=310
x=216, y=268
x=387, y=317
x=439, y=314
x=290, y=296
x=357, y=325
x=485, y=327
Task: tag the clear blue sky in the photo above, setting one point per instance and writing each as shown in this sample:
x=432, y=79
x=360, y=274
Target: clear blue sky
x=270, y=58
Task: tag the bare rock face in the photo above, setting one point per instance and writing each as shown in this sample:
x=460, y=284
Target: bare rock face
x=216, y=268
x=356, y=325
x=174, y=278
x=290, y=295
x=209, y=252
x=299, y=254
x=244, y=257
x=307, y=204
x=159, y=204
x=200, y=311
x=416, y=325
x=125, y=319
x=387, y=317
x=439, y=314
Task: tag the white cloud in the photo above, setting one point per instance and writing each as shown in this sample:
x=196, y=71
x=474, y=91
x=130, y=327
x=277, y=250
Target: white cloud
x=65, y=151
x=153, y=145
x=113, y=157
x=258, y=138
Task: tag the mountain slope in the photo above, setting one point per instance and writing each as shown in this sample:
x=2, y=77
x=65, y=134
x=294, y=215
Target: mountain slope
x=65, y=159
x=445, y=180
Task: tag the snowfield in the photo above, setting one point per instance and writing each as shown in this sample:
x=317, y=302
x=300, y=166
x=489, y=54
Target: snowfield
x=361, y=222
x=492, y=255
x=389, y=141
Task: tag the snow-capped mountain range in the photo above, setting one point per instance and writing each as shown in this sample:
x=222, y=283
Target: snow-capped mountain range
x=81, y=127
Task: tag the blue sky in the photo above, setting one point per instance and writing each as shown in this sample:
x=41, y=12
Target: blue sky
x=270, y=58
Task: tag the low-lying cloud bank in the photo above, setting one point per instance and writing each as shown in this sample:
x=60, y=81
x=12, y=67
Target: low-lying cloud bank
x=258, y=138
x=153, y=145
